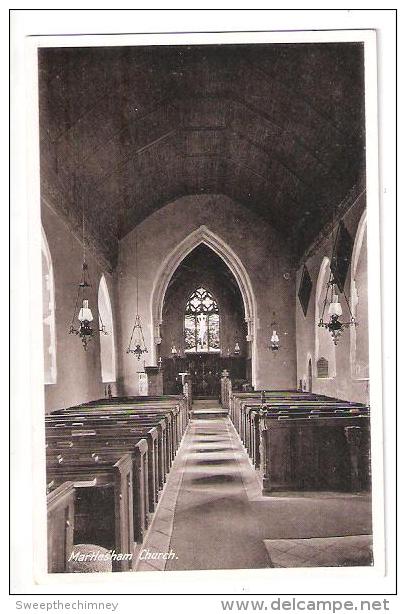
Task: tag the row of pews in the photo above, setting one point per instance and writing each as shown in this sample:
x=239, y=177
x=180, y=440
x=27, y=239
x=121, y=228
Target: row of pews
x=106, y=463
x=301, y=441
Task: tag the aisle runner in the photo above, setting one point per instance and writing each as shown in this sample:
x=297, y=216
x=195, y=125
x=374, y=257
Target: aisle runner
x=214, y=525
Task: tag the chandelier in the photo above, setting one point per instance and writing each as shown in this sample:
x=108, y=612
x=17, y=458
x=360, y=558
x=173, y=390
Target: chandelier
x=338, y=271
x=274, y=341
x=82, y=311
x=274, y=344
x=137, y=343
x=334, y=312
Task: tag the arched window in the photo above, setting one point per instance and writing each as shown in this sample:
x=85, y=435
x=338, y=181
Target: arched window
x=325, y=348
x=107, y=345
x=359, y=354
x=48, y=313
x=202, y=322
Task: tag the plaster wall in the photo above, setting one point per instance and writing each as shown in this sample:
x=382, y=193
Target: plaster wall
x=344, y=385
x=78, y=372
x=258, y=246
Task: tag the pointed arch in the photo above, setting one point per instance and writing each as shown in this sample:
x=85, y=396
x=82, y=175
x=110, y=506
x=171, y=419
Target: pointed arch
x=48, y=312
x=359, y=351
x=107, y=342
x=203, y=235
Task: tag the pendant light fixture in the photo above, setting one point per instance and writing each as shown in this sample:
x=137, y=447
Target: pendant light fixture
x=333, y=324
x=334, y=310
x=274, y=340
x=82, y=311
x=137, y=344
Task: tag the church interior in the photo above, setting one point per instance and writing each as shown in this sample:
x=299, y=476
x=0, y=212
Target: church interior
x=205, y=307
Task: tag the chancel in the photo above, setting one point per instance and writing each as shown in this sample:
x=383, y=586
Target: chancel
x=212, y=409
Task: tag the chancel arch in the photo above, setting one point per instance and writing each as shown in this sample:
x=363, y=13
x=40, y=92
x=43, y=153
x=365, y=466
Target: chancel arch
x=325, y=353
x=107, y=343
x=204, y=236
x=203, y=330
x=359, y=354
x=48, y=310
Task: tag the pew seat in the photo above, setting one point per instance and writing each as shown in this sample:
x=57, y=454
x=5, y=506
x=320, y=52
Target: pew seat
x=103, y=507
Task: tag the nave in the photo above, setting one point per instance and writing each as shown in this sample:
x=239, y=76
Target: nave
x=204, y=307
x=175, y=490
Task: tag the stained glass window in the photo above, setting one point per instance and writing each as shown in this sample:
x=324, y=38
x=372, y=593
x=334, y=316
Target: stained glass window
x=202, y=323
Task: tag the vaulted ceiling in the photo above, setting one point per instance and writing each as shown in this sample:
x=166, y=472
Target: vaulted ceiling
x=125, y=130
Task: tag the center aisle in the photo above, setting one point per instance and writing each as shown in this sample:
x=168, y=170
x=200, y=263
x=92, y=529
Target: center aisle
x=213, y=524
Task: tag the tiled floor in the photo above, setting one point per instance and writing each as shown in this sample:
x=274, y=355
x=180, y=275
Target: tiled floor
x=351, y=551
x=212, y=514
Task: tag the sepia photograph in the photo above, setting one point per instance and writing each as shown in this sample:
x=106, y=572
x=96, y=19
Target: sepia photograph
x=206, y=305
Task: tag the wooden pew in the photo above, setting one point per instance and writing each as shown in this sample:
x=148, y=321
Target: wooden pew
x=150, y=429
x=96, y=450
x=249, y=419
x=110, y=430
x=161, y=442
x=60, y=526
x=315, y=453
x=269, y=423
x=104, y=488
x=266, y=396
x=249, y=423
x=257, y=412
x=176, y=401
x=108, y=435
x=117, y=424
x=171, y=414
x=241, y=400
x=143, y=417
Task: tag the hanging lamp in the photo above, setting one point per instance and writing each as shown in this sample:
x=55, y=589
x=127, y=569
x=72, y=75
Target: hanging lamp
x=274, y=339
x=334, y=311
x=333, y=324
x=137, y=343
x=82, y=311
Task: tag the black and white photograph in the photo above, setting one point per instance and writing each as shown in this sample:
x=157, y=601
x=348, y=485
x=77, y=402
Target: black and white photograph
x=208, y=332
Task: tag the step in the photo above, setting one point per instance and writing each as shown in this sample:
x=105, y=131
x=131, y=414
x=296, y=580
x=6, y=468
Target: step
x=205, y=413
